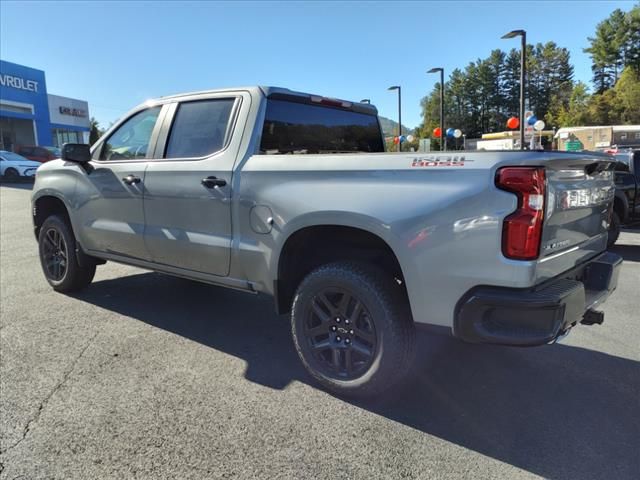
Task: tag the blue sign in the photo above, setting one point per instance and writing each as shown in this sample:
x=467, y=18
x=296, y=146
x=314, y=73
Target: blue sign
x=26, y=88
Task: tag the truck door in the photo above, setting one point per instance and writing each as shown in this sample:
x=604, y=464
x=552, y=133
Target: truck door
x=187, y=203
x=109, y=194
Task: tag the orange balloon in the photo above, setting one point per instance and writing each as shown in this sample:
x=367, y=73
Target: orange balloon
x=396, y=140
x=437, y=132
x=513, y=123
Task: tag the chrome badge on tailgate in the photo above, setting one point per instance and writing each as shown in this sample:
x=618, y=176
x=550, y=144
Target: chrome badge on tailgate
x=585, y=197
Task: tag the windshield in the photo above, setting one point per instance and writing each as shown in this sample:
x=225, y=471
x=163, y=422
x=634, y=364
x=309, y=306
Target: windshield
x=55, y=150
x=13, y=157
x=302, y=128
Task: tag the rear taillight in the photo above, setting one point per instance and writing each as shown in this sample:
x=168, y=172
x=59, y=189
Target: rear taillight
x=522, y=230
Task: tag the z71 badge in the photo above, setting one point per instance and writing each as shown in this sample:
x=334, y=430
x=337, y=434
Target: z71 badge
x=440, y=161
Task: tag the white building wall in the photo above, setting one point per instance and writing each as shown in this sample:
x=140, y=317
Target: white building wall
x=68, y=111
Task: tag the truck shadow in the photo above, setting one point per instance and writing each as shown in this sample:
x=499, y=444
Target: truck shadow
x=555, y=411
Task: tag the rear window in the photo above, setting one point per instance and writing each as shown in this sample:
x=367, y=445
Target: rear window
x=199, y=128
x=302, y=128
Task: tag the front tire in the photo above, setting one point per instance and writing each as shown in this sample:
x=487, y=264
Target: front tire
x=352, y=329
x=11, y=175
x=57, y=247
x=614, y=230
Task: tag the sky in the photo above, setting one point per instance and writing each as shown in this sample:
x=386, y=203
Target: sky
x=116, y=55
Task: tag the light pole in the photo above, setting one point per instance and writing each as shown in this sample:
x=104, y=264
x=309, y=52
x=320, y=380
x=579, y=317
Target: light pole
x=523, y=68
x=397, y=87
x=365, y=100
x=443, y=137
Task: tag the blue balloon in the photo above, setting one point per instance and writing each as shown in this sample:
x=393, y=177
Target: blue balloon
x=450, y=132
x=532, y=119
x=402, y=138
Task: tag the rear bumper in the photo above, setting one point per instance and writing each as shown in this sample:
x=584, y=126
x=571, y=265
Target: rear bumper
x=527, y=317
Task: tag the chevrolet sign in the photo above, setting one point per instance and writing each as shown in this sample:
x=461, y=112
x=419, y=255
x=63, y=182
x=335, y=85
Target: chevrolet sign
x=74, y=112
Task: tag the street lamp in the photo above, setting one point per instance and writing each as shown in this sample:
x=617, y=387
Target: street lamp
x=397, y=87
x=523, y=67
x=443, y=138
x=365, y=100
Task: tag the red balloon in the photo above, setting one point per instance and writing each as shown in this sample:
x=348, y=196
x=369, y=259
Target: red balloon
x=437, y=132
x=513, y=123
x=396, y=140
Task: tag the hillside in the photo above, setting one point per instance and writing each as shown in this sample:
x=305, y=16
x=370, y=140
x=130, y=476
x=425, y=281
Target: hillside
x=390, y=127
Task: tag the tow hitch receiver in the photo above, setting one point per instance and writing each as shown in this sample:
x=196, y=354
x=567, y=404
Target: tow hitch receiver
x=592, y=317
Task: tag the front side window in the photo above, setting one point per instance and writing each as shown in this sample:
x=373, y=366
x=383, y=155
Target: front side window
x=131, y=139
x=291, y=127
x=199, y=128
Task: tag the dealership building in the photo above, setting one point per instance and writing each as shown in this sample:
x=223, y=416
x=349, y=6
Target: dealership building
x=31, y=116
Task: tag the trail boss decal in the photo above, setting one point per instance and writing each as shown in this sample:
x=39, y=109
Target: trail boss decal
x=440, y=161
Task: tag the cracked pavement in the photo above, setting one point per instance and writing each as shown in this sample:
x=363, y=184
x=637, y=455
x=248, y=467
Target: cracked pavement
x=148, y=376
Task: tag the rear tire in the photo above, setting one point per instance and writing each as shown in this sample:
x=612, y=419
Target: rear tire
x=11, y=175
x=614, y=230
x=57, y=247
x=352, y=329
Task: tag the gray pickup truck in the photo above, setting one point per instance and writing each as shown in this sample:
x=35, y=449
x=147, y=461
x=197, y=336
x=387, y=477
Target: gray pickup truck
x=268, y=190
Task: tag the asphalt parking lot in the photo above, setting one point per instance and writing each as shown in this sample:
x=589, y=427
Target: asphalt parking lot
x=148, y=376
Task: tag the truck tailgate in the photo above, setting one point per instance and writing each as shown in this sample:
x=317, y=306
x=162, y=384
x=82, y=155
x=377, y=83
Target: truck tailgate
x=580, y=193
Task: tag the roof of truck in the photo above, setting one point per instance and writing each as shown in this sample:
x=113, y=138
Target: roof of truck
x=271, y=91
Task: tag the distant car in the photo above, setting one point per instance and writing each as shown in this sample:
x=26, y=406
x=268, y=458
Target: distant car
x=14, y=167
x=626, y=206
x=38, y=154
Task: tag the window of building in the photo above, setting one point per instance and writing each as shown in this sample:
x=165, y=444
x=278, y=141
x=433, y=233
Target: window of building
x=15, y=108
x=199, y=128
x=60, y=137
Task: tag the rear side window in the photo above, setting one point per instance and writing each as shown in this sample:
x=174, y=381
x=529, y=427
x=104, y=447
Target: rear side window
x=199, y=128
x=302, y=128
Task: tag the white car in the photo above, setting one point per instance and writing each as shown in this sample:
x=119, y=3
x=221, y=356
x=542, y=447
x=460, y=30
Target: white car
x=14, y=167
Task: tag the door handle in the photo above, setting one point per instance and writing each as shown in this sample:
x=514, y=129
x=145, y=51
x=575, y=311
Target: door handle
x=131, y=179
x=212, y=182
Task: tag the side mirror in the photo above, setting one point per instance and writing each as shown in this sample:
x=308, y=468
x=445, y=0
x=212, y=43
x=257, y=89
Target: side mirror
x=76, y=152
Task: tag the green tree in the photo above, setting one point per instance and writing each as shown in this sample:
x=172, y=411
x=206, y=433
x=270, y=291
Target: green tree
x=571, y=115
x=627, y=93
x=615, y=46
x=94, y=131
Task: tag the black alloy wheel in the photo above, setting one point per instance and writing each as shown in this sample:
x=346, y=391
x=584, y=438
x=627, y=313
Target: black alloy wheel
x=55, y=254
x=340, y=333
x=59, y=256
x=352, y=328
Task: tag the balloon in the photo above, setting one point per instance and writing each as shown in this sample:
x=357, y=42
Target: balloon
x=396, y=140
x=513, y=123
x=410, y=138
x=532, y=120
x=402, y=138
x=450, y=132
x=437, y=132
x=539, y=125
x=457, y=133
